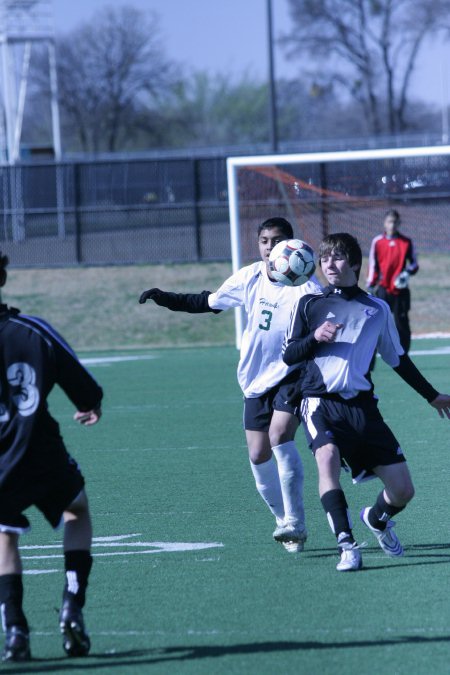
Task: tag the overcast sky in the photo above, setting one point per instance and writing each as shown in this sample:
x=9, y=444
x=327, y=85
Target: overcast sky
x=231, y=36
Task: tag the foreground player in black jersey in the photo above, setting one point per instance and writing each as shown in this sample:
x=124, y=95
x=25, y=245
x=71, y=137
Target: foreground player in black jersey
x=35, y=469
x=335, y=334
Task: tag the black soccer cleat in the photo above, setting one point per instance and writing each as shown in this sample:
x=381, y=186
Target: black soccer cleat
x=76, y=641
x=17, y=645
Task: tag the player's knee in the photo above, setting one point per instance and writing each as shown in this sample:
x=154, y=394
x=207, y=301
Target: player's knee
x=406, y=493
x=327, y=456
x=282, y=430
x=9, y=541
x=278, y=436
x=402, y=494
x=259, y=455
x=79, y=508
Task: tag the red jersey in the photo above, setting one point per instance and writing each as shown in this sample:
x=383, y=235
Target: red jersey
x=388, y=257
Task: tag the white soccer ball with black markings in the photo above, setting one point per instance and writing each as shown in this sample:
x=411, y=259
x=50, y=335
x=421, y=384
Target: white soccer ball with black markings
x=291, y=262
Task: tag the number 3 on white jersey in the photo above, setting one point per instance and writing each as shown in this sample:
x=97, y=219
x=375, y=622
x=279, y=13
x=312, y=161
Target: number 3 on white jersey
x=24, y=376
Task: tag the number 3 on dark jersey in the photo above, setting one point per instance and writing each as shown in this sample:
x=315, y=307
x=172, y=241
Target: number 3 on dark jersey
x=22, y=377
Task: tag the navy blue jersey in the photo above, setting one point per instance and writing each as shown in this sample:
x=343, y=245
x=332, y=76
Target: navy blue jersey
x=343, y=367
x=33, y=358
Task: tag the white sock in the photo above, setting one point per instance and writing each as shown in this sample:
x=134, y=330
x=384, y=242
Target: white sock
x=268, y=485
x=290, y=470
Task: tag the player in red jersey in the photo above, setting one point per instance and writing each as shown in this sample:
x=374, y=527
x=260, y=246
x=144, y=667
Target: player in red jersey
x=392, y=260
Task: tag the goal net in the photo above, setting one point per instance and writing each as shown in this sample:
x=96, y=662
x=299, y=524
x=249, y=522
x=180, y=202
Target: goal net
x=322, y=193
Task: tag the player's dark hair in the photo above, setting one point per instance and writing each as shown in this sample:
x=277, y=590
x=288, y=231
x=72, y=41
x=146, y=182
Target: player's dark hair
x=392, y=213
x=4, y=260
x=346, y=245
x=283, y=224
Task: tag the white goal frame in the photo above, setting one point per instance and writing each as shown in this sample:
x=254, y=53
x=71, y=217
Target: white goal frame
x=234, y=163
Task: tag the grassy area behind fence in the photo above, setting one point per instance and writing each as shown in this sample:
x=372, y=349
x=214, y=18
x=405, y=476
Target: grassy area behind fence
x=97, y=307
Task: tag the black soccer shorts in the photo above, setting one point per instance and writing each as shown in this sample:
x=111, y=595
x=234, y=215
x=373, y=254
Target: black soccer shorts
x=356, y=427
x=51, y=488
x=284, y=397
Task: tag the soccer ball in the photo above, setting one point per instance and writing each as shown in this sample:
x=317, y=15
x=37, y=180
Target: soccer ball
x=292, y=262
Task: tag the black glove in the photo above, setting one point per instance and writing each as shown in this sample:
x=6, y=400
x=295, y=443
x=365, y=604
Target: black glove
x=152, y=294
x=194, y=303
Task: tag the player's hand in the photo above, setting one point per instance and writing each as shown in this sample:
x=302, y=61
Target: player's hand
x=327, y=332
x=442, y=405
x=88, y=417
x=151, y=294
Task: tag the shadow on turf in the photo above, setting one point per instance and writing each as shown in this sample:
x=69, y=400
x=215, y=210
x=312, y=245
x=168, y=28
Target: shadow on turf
x=173, y=654
x=415, y=554
x=195, y=652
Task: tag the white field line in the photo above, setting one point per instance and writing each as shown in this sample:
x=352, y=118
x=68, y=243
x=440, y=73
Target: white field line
x=116, y=542
x=306, y=636
x=104, y=360
x=440, y=335
x=430, y=352
x=95, y=360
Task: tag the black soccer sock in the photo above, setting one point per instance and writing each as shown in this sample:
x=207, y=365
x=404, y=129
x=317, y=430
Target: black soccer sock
x=78, y=566
x=336, y=508
x=381, y=512
x=11, y=598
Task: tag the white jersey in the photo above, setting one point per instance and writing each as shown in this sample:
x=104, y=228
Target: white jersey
x=268, y=305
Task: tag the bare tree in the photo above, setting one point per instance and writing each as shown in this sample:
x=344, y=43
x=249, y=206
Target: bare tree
x=214, y=110
x=108, y=68
x=367, y=47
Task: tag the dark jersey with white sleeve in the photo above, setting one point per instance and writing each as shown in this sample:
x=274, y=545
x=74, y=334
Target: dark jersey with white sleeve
x=33, y=358
x=342, y=367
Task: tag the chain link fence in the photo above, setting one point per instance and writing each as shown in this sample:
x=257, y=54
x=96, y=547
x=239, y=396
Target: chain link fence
x=115, y=212
x=175, y=209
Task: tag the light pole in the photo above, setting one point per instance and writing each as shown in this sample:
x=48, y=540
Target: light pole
x=273, y=126
x=445, y=106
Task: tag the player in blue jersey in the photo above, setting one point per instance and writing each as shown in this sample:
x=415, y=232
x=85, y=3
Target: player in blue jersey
x=270, y=419
x=36, y=469
x=334, y=336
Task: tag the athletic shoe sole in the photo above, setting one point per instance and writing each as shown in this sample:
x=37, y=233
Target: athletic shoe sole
x=387, y=539
x=287, y=535
x=17, y=646
x=76, y=642
x=293, y=546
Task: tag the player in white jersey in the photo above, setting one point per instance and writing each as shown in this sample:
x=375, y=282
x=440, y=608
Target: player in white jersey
x=268, y=384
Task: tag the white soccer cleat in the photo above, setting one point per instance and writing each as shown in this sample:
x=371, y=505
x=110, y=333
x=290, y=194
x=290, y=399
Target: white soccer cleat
x=351, y=558
x=292, y=537
x=387, y=538
x=293, y=546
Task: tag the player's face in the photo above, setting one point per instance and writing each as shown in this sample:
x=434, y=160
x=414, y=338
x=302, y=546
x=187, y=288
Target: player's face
x=337, y=270
x=267, y=240
x=390, y=226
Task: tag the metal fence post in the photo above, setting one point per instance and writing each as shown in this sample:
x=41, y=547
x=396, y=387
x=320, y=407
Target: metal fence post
x=77, y=205
x=324, y=209
x=197, y=213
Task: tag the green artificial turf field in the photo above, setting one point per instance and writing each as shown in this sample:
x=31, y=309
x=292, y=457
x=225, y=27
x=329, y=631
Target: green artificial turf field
x=187, y=579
